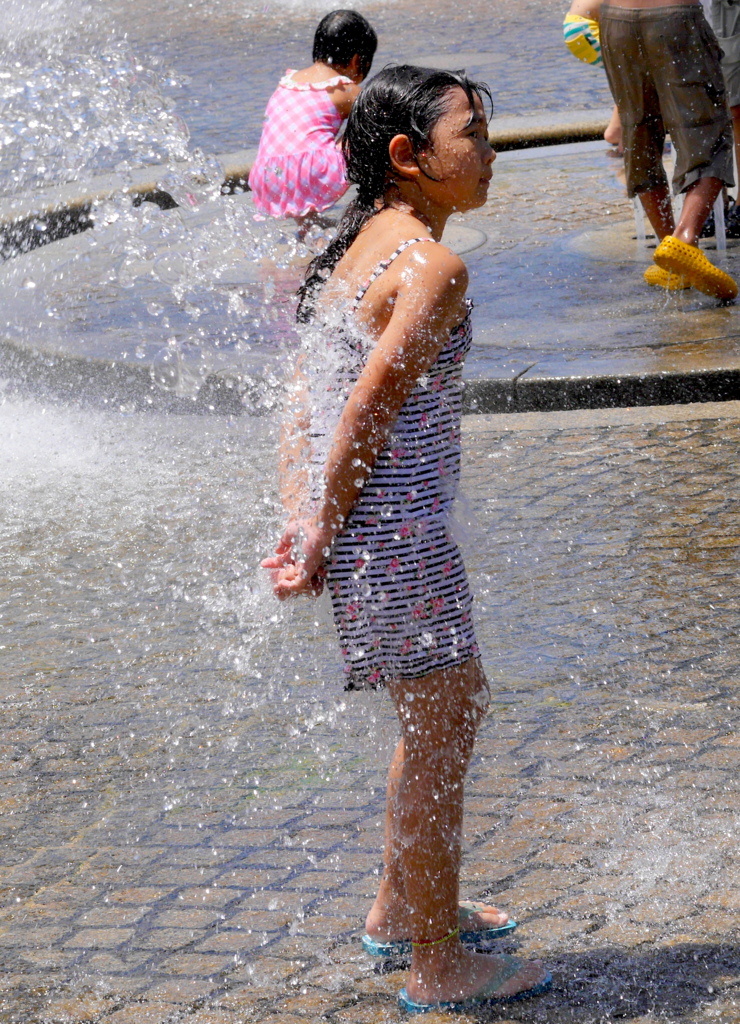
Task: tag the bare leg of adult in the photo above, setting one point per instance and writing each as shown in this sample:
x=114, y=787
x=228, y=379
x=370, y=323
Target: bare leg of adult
x=680, y=256
x=697, y=205
x=657, y=206
x=439, y=716
x=613, y=133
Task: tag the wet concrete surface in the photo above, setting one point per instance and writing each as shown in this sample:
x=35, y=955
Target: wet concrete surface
x=559, y=286
x=191, y=807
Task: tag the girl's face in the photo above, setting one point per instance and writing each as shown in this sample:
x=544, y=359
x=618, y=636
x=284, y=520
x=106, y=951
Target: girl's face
x=459, y=157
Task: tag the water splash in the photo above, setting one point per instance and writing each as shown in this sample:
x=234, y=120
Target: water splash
x=21, y=21
x=198, y=290
x=65, y=114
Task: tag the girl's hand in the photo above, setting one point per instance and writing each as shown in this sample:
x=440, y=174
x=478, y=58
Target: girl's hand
x=297, y=565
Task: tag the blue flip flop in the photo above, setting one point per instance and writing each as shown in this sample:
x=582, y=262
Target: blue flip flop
x=486, y=997
x=389, y=948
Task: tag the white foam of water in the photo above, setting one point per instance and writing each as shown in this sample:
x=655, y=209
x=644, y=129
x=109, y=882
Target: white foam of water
x=279, y=6
x=22, y=20
x=62, y=114
x=271, y=8
x=43, y=446
x=200, y=290
x=63, y=19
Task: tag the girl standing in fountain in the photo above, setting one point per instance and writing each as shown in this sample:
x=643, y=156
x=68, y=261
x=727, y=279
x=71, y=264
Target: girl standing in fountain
x=299, y=170
x=377, y=423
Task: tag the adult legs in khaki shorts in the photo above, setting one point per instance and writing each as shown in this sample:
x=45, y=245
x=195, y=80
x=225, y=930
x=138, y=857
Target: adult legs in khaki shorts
x=663, y=65
x=724, y=17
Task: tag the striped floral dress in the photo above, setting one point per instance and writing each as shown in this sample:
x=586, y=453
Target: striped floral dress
x=398, y=587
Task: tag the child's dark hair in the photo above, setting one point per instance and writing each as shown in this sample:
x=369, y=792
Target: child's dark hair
x=341, y=35
x=402, y=100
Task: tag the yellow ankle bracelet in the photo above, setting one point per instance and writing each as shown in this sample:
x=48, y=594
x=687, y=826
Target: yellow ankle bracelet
x=437, y=942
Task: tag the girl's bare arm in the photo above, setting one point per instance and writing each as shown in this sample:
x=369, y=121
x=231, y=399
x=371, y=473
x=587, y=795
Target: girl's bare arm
x=294, y=447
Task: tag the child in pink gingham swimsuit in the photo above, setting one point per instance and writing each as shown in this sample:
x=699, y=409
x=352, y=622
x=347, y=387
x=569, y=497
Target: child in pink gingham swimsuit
x=299, y=170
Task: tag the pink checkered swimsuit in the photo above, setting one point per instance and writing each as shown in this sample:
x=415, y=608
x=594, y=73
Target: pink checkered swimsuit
x=299, y=167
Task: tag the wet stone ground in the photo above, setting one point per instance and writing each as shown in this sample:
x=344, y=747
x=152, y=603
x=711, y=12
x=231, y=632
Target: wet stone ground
x=191, y=819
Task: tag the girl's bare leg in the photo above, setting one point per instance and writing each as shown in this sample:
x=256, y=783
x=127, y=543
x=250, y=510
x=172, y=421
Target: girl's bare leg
x=389, y=916
x=439, y=716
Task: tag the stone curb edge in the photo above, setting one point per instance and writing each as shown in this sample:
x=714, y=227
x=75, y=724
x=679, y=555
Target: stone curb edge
x=562, y=394
x=121, y=385
x=504, y=140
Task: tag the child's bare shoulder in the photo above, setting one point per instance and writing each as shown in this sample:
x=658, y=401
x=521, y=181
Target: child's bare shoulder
x=346, y=88
x=343, y=96
x=443, y=269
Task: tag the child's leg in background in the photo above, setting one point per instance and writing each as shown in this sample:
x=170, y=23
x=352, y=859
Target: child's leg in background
x=735, y=112
x=312, y=220
x=613, y=132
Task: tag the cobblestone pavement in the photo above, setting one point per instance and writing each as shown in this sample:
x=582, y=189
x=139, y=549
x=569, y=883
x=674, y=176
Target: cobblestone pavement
x=177, y=848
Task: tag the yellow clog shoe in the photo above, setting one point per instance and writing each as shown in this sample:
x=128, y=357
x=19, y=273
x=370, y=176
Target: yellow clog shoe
x=659, y=278
x=688, y=261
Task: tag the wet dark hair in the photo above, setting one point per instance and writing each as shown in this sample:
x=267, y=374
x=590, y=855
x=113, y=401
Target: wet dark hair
x=401, y=100
x=341, y=35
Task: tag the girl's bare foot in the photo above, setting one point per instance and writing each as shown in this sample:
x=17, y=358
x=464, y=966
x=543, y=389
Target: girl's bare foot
x=387, y=925
x=454, y=974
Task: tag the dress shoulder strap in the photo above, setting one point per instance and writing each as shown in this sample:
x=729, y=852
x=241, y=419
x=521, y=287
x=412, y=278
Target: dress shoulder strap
x=384, y=264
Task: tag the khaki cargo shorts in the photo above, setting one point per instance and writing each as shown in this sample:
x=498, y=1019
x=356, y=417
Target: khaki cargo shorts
x=724, y=17
x=663, y=65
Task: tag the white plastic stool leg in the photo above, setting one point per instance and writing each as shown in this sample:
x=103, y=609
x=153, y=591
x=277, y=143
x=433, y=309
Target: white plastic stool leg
x=719, y=223
x=678, y=206
x=639, y=223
